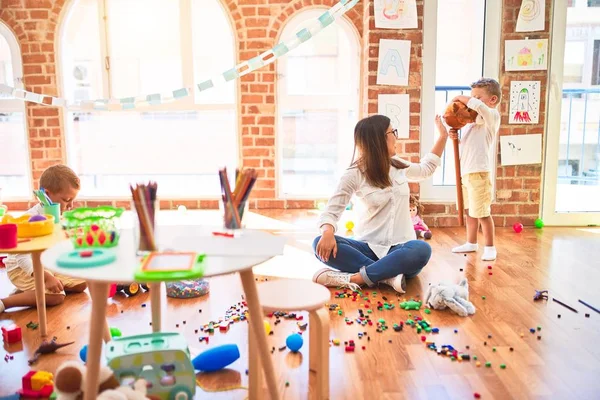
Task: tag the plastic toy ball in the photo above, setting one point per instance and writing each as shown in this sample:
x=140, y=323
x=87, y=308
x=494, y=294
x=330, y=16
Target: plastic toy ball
x=267, y=328
x=539, y=223
x=349, y=225
x=294, y=342
x=36, y=218
x=518, y=227
x=182, y=208
x=83, y=353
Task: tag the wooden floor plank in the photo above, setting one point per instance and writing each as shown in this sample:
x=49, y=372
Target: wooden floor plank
x=565, y=363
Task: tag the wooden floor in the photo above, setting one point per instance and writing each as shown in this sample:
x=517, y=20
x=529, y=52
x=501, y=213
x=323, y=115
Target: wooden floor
x=563, y=364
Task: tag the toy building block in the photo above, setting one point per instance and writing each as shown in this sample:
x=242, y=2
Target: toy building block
x=11, y=334
x=410, y=305
x=37, y=384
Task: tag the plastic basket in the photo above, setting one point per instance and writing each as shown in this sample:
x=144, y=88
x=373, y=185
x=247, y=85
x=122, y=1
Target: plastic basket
x=93, y=227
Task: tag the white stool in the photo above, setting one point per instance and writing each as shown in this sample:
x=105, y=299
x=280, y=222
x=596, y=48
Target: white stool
x=300, y=295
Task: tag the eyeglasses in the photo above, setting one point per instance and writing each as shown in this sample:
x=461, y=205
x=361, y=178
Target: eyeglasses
x=394, y=132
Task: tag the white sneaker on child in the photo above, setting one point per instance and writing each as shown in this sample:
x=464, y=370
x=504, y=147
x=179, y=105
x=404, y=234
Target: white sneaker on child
x=466, y=248
x=489, y=253
x=334, y=278
x=398, y=283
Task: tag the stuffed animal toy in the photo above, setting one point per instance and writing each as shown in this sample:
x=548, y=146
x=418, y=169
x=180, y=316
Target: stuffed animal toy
x=70, y=377
x=455, y=297
x=457, y=115
x=416, y=209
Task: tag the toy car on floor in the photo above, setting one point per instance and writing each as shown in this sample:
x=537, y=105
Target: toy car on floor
x=130, y=289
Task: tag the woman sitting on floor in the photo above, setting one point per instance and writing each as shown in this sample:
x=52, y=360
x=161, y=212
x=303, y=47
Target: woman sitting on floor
x=385, y=251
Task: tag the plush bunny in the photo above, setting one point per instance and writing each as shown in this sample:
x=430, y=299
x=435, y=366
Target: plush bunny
x=69, y=382
x=455, y=297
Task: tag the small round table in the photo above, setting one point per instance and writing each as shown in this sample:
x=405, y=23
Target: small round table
x=223, y=256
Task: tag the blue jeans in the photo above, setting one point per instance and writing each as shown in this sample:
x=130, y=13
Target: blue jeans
x=354, y=256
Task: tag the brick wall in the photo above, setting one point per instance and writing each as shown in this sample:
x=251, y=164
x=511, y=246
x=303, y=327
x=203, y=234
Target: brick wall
x=257, y=24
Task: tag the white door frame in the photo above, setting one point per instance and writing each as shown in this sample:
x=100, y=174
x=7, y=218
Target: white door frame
x=558, y=31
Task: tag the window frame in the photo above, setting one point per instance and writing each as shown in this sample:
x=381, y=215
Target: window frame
x=187, y=70
x=295, y=101
x=17, y=105
x=491, y=69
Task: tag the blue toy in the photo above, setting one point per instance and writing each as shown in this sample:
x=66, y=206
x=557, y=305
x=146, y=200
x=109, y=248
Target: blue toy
x=83, y=353
x=294, y=342
x=216, y=358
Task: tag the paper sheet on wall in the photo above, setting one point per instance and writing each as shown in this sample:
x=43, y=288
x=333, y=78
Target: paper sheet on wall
x=531, y=16
x=524, y=102
x=397, y=108
x=396, y=14
x=521, y=149
x=526, y=55
x=394, y=62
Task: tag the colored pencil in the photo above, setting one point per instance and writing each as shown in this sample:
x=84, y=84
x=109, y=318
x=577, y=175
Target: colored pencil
x=144, y=197
x=564, y=305
x=590, y=306
x=234, y=199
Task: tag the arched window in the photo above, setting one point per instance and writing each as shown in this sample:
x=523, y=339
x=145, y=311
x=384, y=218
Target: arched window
x=15, y=166
x=317, y=105
x=128, y=48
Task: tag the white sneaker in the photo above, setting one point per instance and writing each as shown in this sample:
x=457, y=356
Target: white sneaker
x=334, y=278
x=489, y=253
x=466, y=248
x=398, y=283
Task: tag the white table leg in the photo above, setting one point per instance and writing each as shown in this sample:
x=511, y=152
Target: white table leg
x=156, y=305
x=254, y=368
x=99, y=292
x=257, y=325
x=40, y=290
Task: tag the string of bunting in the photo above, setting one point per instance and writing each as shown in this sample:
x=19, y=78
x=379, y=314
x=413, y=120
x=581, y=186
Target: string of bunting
x=244, y=68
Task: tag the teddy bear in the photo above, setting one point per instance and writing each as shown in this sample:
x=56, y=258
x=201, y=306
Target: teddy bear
x=69, y=382
x=455, y=297
x=457, y=115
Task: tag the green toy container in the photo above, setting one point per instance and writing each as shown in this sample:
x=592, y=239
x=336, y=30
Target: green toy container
x=93, y=227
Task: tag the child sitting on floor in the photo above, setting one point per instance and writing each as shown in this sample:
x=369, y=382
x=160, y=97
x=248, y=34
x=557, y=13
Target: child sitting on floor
x=62, y=186
x=416, y=210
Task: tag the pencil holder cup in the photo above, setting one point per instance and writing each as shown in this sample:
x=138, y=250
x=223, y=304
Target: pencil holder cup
x=54, y=210
x=229, y=221
x=144, y=226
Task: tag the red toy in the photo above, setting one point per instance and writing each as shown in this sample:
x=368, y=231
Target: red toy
x=518, y=227
x=11, y=334
x=37, y=384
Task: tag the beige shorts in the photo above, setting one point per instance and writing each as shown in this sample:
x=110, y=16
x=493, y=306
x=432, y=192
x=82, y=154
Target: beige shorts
x=477, y=194
x=25, y=282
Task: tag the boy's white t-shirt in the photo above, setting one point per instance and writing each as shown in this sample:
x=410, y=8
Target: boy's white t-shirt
x=23, y=261
x=478, y=140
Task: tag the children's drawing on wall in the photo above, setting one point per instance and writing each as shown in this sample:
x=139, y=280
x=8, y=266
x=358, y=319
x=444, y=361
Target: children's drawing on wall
x=531, y=16
x=394, y=62
x=396, y=14
x=521, y=149
x=526, y=55
x=397, y=108
x=524, y=102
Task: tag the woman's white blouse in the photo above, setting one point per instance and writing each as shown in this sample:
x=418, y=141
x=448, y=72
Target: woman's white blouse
x=384, y=215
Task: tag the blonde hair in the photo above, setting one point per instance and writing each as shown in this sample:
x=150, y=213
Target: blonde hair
x=414, y=201
x=58, y=178
x=491, y=86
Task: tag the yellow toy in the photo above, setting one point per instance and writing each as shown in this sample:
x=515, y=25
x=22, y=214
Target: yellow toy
x=349, y=225
x=34, y=228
